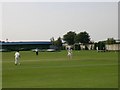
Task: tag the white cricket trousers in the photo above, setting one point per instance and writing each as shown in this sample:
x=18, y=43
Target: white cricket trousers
x=17, y=60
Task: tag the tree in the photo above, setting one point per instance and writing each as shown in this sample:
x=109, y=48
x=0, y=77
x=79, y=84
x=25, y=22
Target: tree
x=101, y=45
x=82, y=37
x=52, y=40
x=58, y=43
x=69, y=37
x=110, y=41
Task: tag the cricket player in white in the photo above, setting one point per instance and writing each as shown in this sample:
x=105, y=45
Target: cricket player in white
x=69, y=53
x=17, y=56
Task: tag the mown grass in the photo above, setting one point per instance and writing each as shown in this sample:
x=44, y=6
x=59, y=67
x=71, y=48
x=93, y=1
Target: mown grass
x=86, y=69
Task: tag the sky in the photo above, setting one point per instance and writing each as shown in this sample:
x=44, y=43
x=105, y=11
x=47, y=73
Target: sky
x=33, y=21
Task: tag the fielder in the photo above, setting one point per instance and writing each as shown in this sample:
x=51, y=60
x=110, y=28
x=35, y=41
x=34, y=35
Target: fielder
x=17, y=56
x=69, y=53
x=36, y=50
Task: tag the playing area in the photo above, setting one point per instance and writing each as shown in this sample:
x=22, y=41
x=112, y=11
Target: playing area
x=86, y=69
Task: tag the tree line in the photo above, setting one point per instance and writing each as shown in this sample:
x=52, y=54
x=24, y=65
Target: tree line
x=71, y=38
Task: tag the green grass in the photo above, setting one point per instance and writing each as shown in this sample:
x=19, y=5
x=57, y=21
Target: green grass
x=87, y=69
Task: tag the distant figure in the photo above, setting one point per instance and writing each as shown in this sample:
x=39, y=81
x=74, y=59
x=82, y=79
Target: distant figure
x=17, y=56
x=69, y=53
x=97, y=49
x=36, y=51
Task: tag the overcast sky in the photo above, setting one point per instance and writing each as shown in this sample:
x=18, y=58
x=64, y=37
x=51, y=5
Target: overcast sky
x=23, y=21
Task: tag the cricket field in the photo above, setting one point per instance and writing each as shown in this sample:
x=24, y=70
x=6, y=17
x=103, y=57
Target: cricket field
x=86, y=69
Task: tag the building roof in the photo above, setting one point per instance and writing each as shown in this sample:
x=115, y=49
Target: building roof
x=26, y=43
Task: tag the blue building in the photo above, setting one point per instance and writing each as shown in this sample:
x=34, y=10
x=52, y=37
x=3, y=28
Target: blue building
x=12, y=46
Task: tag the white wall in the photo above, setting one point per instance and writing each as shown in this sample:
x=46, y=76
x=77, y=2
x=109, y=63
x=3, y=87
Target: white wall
x=113, y=47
